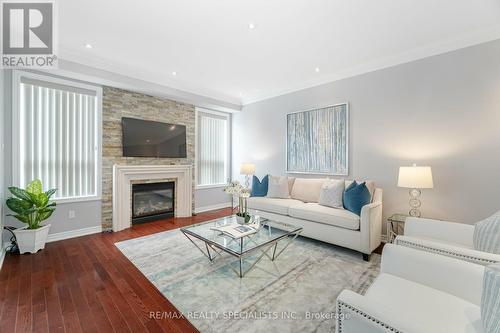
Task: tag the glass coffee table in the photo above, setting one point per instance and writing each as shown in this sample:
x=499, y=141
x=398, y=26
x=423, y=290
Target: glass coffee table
x=264, y=242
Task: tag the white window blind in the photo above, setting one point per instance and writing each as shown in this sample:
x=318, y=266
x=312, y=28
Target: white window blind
x=58, y=137
x=213, y=149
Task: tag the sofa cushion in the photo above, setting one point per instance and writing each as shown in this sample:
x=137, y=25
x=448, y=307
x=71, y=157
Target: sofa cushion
x=306, y=189
x=259, y=188
x=272, y=205
x=291, y=181
x=333, y=216
x=442, y=312
x=331, y=193
x=355, y=197
x=278, y=187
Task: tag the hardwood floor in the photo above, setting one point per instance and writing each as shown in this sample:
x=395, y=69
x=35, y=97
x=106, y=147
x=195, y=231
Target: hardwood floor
x=85, y=284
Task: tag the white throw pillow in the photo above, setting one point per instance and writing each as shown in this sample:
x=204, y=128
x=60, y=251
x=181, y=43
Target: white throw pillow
x=306, y=189
x=331, y=193
x=278, y=187
x=487, y=234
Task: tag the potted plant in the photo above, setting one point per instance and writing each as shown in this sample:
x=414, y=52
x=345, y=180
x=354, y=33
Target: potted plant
x=242, y=193
x=31, y=206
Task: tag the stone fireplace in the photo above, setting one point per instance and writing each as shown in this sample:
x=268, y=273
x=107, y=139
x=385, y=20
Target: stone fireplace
x=118, y=103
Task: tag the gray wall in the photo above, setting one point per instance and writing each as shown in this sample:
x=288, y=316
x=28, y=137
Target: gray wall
x=442, y=111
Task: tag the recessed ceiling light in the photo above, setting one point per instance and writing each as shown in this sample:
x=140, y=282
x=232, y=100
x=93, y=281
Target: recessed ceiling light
x=174, y=73
x=89, y=46
x=316, y=69
x=251, y=25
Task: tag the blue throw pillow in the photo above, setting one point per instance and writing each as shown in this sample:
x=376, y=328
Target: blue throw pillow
x=259, y=188
x=355, y=197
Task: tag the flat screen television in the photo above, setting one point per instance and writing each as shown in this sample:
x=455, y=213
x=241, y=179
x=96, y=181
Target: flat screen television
x=143, y=138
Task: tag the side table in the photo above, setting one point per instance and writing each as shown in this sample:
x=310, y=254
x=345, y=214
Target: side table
x=395, y=226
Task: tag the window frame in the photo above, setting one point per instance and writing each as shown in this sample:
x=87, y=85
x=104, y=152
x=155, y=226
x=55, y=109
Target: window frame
x=227, y=170
x=17, y=75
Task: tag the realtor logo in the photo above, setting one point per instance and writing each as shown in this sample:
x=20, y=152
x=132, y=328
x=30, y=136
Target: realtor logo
x=28, y=32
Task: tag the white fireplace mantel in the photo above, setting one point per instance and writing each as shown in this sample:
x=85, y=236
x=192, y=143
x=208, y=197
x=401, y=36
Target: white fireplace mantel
x=123, y=175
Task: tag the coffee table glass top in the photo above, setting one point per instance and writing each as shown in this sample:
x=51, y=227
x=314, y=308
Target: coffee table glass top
x=269, y=232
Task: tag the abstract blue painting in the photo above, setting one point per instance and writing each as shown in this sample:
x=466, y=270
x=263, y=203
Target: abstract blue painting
x=317, y=141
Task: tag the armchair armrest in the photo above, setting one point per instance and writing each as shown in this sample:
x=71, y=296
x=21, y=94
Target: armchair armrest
x=371, y=225
x=359, y=314
x=452, y=232
x=449, y=250
x=456, y=277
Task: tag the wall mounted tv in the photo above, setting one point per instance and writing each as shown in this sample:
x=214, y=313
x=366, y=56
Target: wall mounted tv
x=143, y=138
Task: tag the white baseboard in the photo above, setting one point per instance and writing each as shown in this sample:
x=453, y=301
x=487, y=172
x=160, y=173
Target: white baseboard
x=212, y=207
x=74, y=233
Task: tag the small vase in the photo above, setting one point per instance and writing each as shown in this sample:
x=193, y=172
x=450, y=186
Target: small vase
x=243, y=219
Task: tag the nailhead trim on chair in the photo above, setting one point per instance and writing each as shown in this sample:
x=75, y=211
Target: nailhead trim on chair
x=341, y=305
x=480, y=261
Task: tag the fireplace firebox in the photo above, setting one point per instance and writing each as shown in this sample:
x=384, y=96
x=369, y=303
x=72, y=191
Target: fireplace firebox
x=152, y=201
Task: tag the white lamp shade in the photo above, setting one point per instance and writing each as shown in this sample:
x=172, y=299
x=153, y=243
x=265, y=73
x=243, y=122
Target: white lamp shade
x=247, y=169
x=415, y=177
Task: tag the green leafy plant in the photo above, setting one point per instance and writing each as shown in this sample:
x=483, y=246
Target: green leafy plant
x=31, y=205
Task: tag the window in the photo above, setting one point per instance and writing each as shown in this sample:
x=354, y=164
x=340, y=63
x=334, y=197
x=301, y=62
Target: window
x=212, y=148
x=56, y=127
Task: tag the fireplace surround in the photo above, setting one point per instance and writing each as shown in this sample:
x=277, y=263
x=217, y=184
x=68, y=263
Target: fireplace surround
x=125, y=175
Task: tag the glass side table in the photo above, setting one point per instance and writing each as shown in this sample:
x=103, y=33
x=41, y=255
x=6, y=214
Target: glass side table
x=395, y=226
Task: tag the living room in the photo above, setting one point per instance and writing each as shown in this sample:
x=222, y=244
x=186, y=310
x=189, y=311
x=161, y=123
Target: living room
x=249, y=166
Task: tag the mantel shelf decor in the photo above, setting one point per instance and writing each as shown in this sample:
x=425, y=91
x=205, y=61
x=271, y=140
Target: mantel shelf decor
x=317, y=141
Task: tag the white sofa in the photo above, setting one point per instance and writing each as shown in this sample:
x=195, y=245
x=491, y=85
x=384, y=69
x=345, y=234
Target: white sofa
x=416, y=291
x=445, y=238
x=332, y=225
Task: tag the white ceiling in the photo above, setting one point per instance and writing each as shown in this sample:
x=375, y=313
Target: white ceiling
x=214, y=53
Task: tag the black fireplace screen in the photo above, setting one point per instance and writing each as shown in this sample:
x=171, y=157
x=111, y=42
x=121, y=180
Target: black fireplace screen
x=152, y=201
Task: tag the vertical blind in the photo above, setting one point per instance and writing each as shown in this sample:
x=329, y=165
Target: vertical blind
x=212, y=149
x=58, y=138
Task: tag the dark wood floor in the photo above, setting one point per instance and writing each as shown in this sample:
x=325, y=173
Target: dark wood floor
x=86, y=284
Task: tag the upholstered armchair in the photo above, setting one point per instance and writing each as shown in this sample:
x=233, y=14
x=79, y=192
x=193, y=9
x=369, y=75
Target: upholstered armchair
x=445, y=238
x=416, y=291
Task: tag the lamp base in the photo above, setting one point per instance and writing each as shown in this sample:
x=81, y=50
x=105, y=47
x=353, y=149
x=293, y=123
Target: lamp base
x=415, y=202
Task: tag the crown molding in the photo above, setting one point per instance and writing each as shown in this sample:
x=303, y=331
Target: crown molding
x=471, y=39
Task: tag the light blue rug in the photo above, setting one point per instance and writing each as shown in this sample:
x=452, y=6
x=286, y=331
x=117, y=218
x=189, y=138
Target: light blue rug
x=296, y=293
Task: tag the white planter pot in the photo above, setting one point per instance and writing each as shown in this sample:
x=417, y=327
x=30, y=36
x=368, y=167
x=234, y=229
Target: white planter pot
x=31, y=240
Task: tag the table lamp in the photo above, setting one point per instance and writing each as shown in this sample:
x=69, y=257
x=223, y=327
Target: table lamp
x=415, y=178
x=247, y=169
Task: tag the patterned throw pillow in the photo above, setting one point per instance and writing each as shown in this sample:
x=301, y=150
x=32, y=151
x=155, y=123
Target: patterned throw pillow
x=490, y=299
x=487, y=234
x=259, y=188
x=331, y=193
x=278, y=187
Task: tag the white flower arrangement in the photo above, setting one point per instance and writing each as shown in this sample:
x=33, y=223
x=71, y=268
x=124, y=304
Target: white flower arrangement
x=239, y=191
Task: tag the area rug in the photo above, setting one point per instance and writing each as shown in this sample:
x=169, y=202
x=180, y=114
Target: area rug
x=295, y=293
